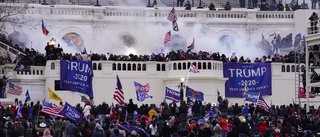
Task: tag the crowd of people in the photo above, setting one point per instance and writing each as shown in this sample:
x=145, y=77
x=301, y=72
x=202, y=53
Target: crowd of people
x=192, y=119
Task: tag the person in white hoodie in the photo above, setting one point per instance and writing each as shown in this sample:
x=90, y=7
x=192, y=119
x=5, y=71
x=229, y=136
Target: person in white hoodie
x=86, y=110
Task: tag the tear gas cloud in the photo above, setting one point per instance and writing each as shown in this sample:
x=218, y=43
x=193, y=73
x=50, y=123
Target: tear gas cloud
x=153, y=34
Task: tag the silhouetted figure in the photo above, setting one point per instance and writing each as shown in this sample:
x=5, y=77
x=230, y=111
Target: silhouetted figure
x=227, y=6
x=313, y=21
x=180, y=3
x=188, y=6
x=211, y=6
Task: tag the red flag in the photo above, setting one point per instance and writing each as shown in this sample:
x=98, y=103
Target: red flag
x=167, y=37
x=44, y=29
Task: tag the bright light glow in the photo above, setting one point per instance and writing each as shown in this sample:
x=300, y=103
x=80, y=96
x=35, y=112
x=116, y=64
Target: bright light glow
x=182, y=79
x=52, y=42
x=131, y=51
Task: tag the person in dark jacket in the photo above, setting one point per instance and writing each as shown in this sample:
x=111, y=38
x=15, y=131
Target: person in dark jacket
x=243, y=128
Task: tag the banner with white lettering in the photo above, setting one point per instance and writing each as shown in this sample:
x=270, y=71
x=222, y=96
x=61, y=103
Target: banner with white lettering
x=76, y=75
x=255, y=76
x=251, y=96
x=71, y=113
x=172, y=95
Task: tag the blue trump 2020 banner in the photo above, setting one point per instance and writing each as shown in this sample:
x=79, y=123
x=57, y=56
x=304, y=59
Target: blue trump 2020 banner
x=194, y=95
x=76, y=75
x=71, y=113
x=251, y=96
x=172, y=95
x=255, y=76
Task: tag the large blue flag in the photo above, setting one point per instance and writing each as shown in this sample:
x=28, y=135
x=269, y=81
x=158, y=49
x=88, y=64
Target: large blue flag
x=251, y=96
x=76, y=75
x=193, y=94
x=70, y=112
x=172, y=95
x=256, y=77
x=141, y=91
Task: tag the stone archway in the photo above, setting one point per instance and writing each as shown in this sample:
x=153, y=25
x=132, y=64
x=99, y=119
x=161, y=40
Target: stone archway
x=226, y=41
x=74, y=41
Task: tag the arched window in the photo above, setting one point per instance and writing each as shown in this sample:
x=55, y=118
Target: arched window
x=184, y=66
x=163, y=67
x=174, y=66
x=293, y=68
x=99, y=66
x=119, y=66
x=288, y=68
x=37, y=72
x=283, y=68
x=129, y=66
x=53, y=66
x=199, y=65
x=209, y=65
x=114, y=66
x=134, y=67
x=179, y=66
x=144, y=67
x=94, y=66
x=139, y=67
x=298, y=68
x=33, y=72
x=124, y=66
x=204, y=65
x=158, y=67
x=189, y=65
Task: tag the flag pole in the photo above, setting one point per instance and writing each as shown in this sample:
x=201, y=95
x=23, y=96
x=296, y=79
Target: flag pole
x=256, y=104
x=187, y=77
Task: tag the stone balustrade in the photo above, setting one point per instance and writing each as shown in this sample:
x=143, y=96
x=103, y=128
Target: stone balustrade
x=160, y=13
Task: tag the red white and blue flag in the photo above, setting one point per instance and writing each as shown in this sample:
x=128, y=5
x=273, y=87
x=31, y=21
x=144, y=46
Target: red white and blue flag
x=118, y=93
x=51, y=109
x=167, y=37
x=14, y=89
x=141, y=91
x=44, y=29
x=193, y=68
x=262, y=103
x=173, y=17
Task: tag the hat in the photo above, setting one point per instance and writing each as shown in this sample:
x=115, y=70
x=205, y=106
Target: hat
x=261, y=118
x=87, y=103
x=244, y=120
x=264, y=123
x=286, y=135
x=287, y=123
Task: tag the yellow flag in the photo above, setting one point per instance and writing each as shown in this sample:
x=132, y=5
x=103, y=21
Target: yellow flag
x=53, y=95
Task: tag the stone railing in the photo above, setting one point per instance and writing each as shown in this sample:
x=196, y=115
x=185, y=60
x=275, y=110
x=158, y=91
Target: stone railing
x=98, y=12
x=275, y=15
x=136, y=66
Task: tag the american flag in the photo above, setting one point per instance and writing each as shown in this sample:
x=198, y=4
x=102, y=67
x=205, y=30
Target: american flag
x=14, y=89
x=167, y=37
x=51, y=109
x=173, y=18
x=172, y=15
x=262, y=103
x=118, y=93
x=193, y=68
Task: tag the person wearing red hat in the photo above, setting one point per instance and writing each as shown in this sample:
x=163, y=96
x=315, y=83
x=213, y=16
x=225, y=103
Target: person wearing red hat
x=263, y=127
x=286, y=129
